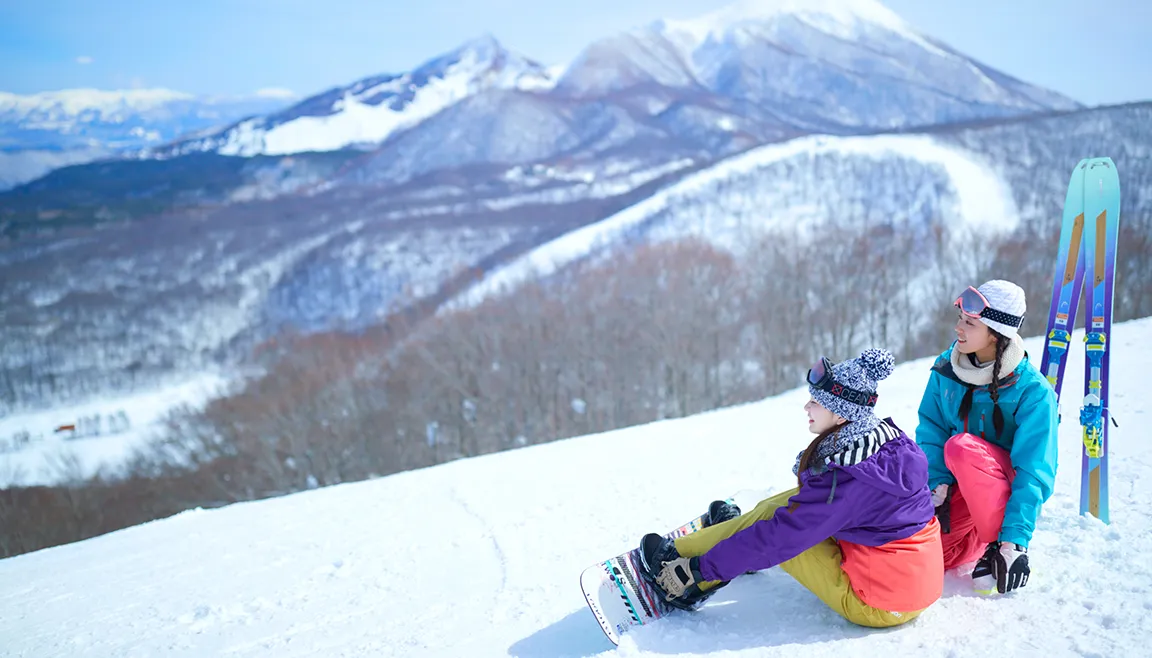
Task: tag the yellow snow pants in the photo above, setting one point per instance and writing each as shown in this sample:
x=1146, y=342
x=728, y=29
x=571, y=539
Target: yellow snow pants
x=817, y=568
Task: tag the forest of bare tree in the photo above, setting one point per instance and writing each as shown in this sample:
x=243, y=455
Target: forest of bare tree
x=660, y=331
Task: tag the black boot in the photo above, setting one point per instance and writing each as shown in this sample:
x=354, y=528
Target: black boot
x=660, y=559
x=719, y=512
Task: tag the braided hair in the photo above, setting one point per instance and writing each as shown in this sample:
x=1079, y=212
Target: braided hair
x=1002, y=343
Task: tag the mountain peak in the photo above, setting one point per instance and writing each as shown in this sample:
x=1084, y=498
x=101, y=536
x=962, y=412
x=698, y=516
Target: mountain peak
x=370, y=110
x=486, y=45
x=834, y=16
x=486, y=56
x=783, y=57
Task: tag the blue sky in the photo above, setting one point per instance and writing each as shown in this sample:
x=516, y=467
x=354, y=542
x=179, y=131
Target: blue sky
x=1091, y=53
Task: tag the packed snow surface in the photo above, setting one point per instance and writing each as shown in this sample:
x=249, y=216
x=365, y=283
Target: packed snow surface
x=481, y=557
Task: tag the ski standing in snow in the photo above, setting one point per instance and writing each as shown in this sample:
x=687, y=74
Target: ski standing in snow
x=1088, y=241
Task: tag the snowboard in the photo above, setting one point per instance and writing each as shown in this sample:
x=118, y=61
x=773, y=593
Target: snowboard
x=617, y=593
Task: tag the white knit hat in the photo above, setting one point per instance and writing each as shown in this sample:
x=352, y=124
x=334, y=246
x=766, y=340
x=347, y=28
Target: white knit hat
x=1006, y=297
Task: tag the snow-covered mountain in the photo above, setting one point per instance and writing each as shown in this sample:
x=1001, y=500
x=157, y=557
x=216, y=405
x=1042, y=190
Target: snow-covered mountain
x=77, y=113
x=480, y=557
x=404, y=182
x=827, y=65
x=799, y=186
x=119, y=119
x=369, y=110
x=39, y=132
x=754, y=72
x=219, y=277
x=985, y=177
x=601, y=135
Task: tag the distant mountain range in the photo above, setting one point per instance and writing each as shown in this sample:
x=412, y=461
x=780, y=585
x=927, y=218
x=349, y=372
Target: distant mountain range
x=405, y=189
x=368, y=111
x=41, y=131
x=756, y=71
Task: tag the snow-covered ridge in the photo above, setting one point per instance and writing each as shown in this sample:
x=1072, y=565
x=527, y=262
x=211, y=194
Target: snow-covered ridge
x=369, y=111
x=985, y=202
x=846, y=19
x=832, y=66
x=837, y=16
x=91, y=105
x=775, y=58
x=41, y=131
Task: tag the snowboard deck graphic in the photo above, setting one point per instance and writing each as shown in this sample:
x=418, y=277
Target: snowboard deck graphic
x=617, y=593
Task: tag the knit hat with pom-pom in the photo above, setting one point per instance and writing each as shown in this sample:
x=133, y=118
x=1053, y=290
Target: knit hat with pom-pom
x=861, y=374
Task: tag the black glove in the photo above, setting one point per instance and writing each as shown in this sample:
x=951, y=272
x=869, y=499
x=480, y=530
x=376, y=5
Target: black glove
x=1010, y=564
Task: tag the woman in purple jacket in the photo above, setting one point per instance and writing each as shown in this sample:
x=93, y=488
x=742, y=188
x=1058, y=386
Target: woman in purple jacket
x=859, y=531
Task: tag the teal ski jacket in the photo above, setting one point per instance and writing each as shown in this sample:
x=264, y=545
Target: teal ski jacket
x=1028, y=406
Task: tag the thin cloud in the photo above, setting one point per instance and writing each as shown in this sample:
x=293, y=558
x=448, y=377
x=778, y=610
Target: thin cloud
x=84, y=60
x=275, y=93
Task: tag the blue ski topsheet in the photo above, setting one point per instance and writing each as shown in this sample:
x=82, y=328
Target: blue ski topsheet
x=1066, y=282
x=1102, y=226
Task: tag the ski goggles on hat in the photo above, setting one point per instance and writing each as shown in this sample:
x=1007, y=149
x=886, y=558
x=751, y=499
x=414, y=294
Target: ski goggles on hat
x=974, y=304
x=820, y=376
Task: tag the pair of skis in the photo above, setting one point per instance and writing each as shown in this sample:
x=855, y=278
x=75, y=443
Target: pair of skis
x=1087, y=249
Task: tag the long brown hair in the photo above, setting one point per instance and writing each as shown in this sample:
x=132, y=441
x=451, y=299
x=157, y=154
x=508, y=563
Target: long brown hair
x=810, y=451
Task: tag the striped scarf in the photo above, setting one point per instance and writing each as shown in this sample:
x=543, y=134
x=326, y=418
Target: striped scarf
x=858, y=441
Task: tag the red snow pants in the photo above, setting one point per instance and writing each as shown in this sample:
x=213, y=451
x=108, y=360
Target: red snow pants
x=984, y=475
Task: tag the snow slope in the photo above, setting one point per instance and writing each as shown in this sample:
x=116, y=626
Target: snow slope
x=743, y=195
x=481, y=557
x=48, y=455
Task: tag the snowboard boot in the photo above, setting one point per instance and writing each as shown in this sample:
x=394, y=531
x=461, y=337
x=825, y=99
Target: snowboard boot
x=719, y=512
x=662, y=562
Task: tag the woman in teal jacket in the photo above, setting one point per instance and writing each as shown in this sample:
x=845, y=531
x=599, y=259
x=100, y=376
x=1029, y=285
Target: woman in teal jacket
x=988, y=426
